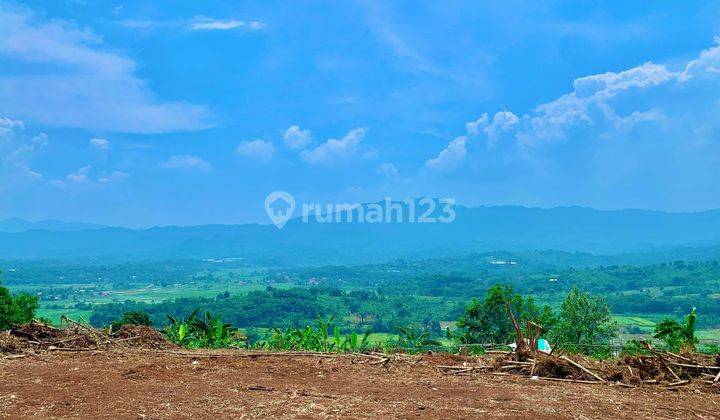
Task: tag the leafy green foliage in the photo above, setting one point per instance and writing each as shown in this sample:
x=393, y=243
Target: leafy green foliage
x=584, y=325
x=678, y=336
x=315, y=338
x=207, y=331
x=17, y=309
x=634, y=348
x=412, y=339
x=488, y=321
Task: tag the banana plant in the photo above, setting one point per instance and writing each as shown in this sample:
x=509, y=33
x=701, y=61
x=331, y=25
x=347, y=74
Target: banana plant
x=413, y=339
x=678, y=336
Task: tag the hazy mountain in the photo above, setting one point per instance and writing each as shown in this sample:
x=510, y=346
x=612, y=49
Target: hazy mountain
x=571, y=229
x=16, y=225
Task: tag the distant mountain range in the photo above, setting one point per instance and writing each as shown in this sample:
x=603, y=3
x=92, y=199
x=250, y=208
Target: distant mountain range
x=16, y=225
x=479, y=229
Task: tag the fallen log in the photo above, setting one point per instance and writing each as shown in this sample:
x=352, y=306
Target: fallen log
x=578, y=381
x=260, y=388
x=462, y=367
x=258, y=354
x=678, y=383
x=583, y=368
x=679, y=357
x=685, y=365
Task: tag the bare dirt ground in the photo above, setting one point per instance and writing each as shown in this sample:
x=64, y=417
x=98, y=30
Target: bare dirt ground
x=160, y=384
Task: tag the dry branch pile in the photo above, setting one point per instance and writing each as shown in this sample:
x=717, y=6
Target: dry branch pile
x=661, y=368
x=36, y=337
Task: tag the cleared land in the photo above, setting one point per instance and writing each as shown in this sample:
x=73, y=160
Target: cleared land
x=138, y=383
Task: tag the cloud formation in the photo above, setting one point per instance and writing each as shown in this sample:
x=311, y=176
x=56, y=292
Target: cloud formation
x=334, y=149
x=100, y=144
x=590, y=111
x=85, y=84
x=16, y=151
x=594, y=100
x=207, y=24
x=186, y=162
x=449, y=157
x=82, y=177
x=296, y=138
x=387, y=169
x=260, y=150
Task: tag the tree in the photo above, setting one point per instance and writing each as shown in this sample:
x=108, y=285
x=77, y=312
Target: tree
x=488, y=321
x=16, y=310
x=584, y=324
x=678, y=336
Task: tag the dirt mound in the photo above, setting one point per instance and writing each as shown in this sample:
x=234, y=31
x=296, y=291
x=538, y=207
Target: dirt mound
x=10, y=344
x=142, y=337
x=643, y=367
x=554, y=367
x=36, y=337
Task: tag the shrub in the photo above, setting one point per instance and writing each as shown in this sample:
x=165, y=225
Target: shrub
x=678, y=336
x=414, y=340
x=18, y=309
x=314, y=338
x=203, y=332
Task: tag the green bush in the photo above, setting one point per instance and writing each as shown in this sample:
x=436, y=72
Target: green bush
x=203, y=332
x=414, y=340
x=314, y=338
x=18, y=309
x=678, y=336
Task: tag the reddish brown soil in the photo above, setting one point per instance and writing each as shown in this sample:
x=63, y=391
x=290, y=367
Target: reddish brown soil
x=157, y=384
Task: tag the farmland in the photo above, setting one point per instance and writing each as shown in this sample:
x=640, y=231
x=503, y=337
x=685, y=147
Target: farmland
x=425, y=293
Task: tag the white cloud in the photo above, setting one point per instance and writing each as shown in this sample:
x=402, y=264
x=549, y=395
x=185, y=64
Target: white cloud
x=296, y=138
x=113, y=177
x=449, y=157
x=186, y=162
x=387, y=169
x=84, y=83
x=82, y=177
x=637, y=117
x=334, y=149
x=646, y=75
x=592, y=103
x=16, y=152
x=256, y=149
x=8, y=126
x=101, y=144
x=502, y=121
x=206, y=24
x=707, y=63
x=474, y=127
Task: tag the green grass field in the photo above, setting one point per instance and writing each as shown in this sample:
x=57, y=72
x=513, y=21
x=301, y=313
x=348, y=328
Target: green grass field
x=633, y=320
x=48, y=309
x=74, y=314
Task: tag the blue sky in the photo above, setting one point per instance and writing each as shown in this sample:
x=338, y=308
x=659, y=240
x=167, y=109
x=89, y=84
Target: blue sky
x=144, y=113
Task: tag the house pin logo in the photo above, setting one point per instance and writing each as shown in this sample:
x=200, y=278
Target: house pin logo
x=279, y=206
